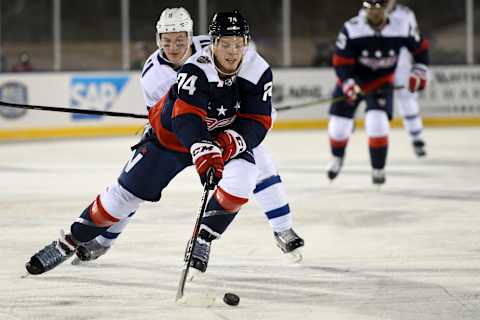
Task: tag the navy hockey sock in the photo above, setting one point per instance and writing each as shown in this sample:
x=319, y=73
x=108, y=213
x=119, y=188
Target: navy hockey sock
x=338, y=147
x=378, y=147
x=216, y=219
x=84, y=229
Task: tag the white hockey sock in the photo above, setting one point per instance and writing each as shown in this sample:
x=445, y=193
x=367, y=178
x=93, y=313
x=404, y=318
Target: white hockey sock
x=273, y=199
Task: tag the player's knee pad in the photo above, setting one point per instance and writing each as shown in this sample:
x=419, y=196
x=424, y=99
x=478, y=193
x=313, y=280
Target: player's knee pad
x=239, y=178
x=339, y=128
x=264, y=162
x=376, y=123
x=116, y=202
x=227, y=201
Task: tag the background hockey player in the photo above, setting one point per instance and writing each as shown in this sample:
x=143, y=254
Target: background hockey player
x=406, y=100
x=176, y=44
x=222, y=97
x=365, y=59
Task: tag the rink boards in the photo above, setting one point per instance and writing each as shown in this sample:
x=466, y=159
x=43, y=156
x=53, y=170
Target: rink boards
x=452, y=99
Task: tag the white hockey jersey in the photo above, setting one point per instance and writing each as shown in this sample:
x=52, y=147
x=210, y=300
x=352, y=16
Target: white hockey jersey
x=158, y=75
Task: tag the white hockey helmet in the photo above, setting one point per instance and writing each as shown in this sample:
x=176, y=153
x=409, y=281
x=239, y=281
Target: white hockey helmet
x=174, y=20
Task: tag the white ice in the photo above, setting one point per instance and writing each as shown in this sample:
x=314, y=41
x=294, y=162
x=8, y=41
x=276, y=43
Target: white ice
x=408, y=250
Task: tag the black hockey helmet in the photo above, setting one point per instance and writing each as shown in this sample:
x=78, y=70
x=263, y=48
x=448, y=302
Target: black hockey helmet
x=374, y=3
x=226, y=24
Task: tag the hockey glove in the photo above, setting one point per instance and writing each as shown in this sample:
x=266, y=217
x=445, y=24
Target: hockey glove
x=207, y=157
x=351, y=90
x=418, y=78
x=231, y=143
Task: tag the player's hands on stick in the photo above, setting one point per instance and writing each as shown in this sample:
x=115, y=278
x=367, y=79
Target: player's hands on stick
x=207, y=157
x=351, y=90
x=231, y=143
x=418, y=78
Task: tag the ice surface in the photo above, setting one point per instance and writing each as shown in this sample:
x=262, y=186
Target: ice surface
x=408, y=250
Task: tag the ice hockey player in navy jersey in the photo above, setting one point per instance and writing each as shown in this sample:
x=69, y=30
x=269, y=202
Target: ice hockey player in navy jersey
x=365, y=59
x=218, y=111
x=176, y=44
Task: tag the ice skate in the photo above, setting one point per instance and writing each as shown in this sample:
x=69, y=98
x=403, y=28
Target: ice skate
x=290, y=244
x=378, y=176
x=200, y=256
x=334, y=167
x=419, y=148
x=52, y=255
x=89, y=251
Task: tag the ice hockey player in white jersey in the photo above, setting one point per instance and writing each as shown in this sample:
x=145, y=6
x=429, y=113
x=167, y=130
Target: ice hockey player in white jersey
x=175, y=45
x=405, y=100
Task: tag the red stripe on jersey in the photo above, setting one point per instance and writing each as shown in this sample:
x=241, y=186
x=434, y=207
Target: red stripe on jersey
x=377, y=83
x=265, y=121
x=182, y=107
x=342, y=61
x=338, y=143
x=166, y=137
x=378, y=142
x=423, y=46
x=229, y=202
x=100, y=216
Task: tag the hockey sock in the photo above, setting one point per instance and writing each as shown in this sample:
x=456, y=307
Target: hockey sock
x=109, y=236
x=93, y=221
x=272, y=197
x=338, y=147
x=378, y=147
x=413, y=123
x=217, y=218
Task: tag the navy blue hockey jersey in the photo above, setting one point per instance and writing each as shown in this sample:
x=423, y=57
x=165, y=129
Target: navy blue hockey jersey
x=201, y=104
x=369, y=56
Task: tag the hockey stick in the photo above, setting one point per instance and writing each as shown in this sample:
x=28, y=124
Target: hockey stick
x=193, y=239
x=332, y=99
x=74, y=110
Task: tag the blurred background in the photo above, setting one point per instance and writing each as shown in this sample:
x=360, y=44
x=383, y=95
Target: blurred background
x=81, y=35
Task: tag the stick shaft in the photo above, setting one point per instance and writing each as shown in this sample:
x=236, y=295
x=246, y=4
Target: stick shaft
x=74, y=110
x=193, y=240
x=331, y=99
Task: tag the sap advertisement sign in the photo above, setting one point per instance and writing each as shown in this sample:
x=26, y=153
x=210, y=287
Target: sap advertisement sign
x=99, y=93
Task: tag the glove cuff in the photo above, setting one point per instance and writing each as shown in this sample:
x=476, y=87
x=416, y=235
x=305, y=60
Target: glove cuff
x=199, y=149
x=240, y=143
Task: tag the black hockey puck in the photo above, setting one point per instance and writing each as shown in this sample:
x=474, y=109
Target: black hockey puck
x=231, y=299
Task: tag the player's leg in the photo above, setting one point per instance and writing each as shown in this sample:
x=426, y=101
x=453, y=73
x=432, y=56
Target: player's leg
x=340, y=127
x=407, y=103
x=119, y=198
x=412, y=121
x=377, y=116
x=270, y=193
x=102, y=243
x=232, y=192
x=142, y=179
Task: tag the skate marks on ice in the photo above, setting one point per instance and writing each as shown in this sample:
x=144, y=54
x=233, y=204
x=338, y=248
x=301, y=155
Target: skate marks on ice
x=406, y=252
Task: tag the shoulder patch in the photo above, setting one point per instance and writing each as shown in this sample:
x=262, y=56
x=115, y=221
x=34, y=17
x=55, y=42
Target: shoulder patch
x=204, y=60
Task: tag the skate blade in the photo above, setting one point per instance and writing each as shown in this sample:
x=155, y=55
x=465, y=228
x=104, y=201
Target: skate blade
x=294, y=256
